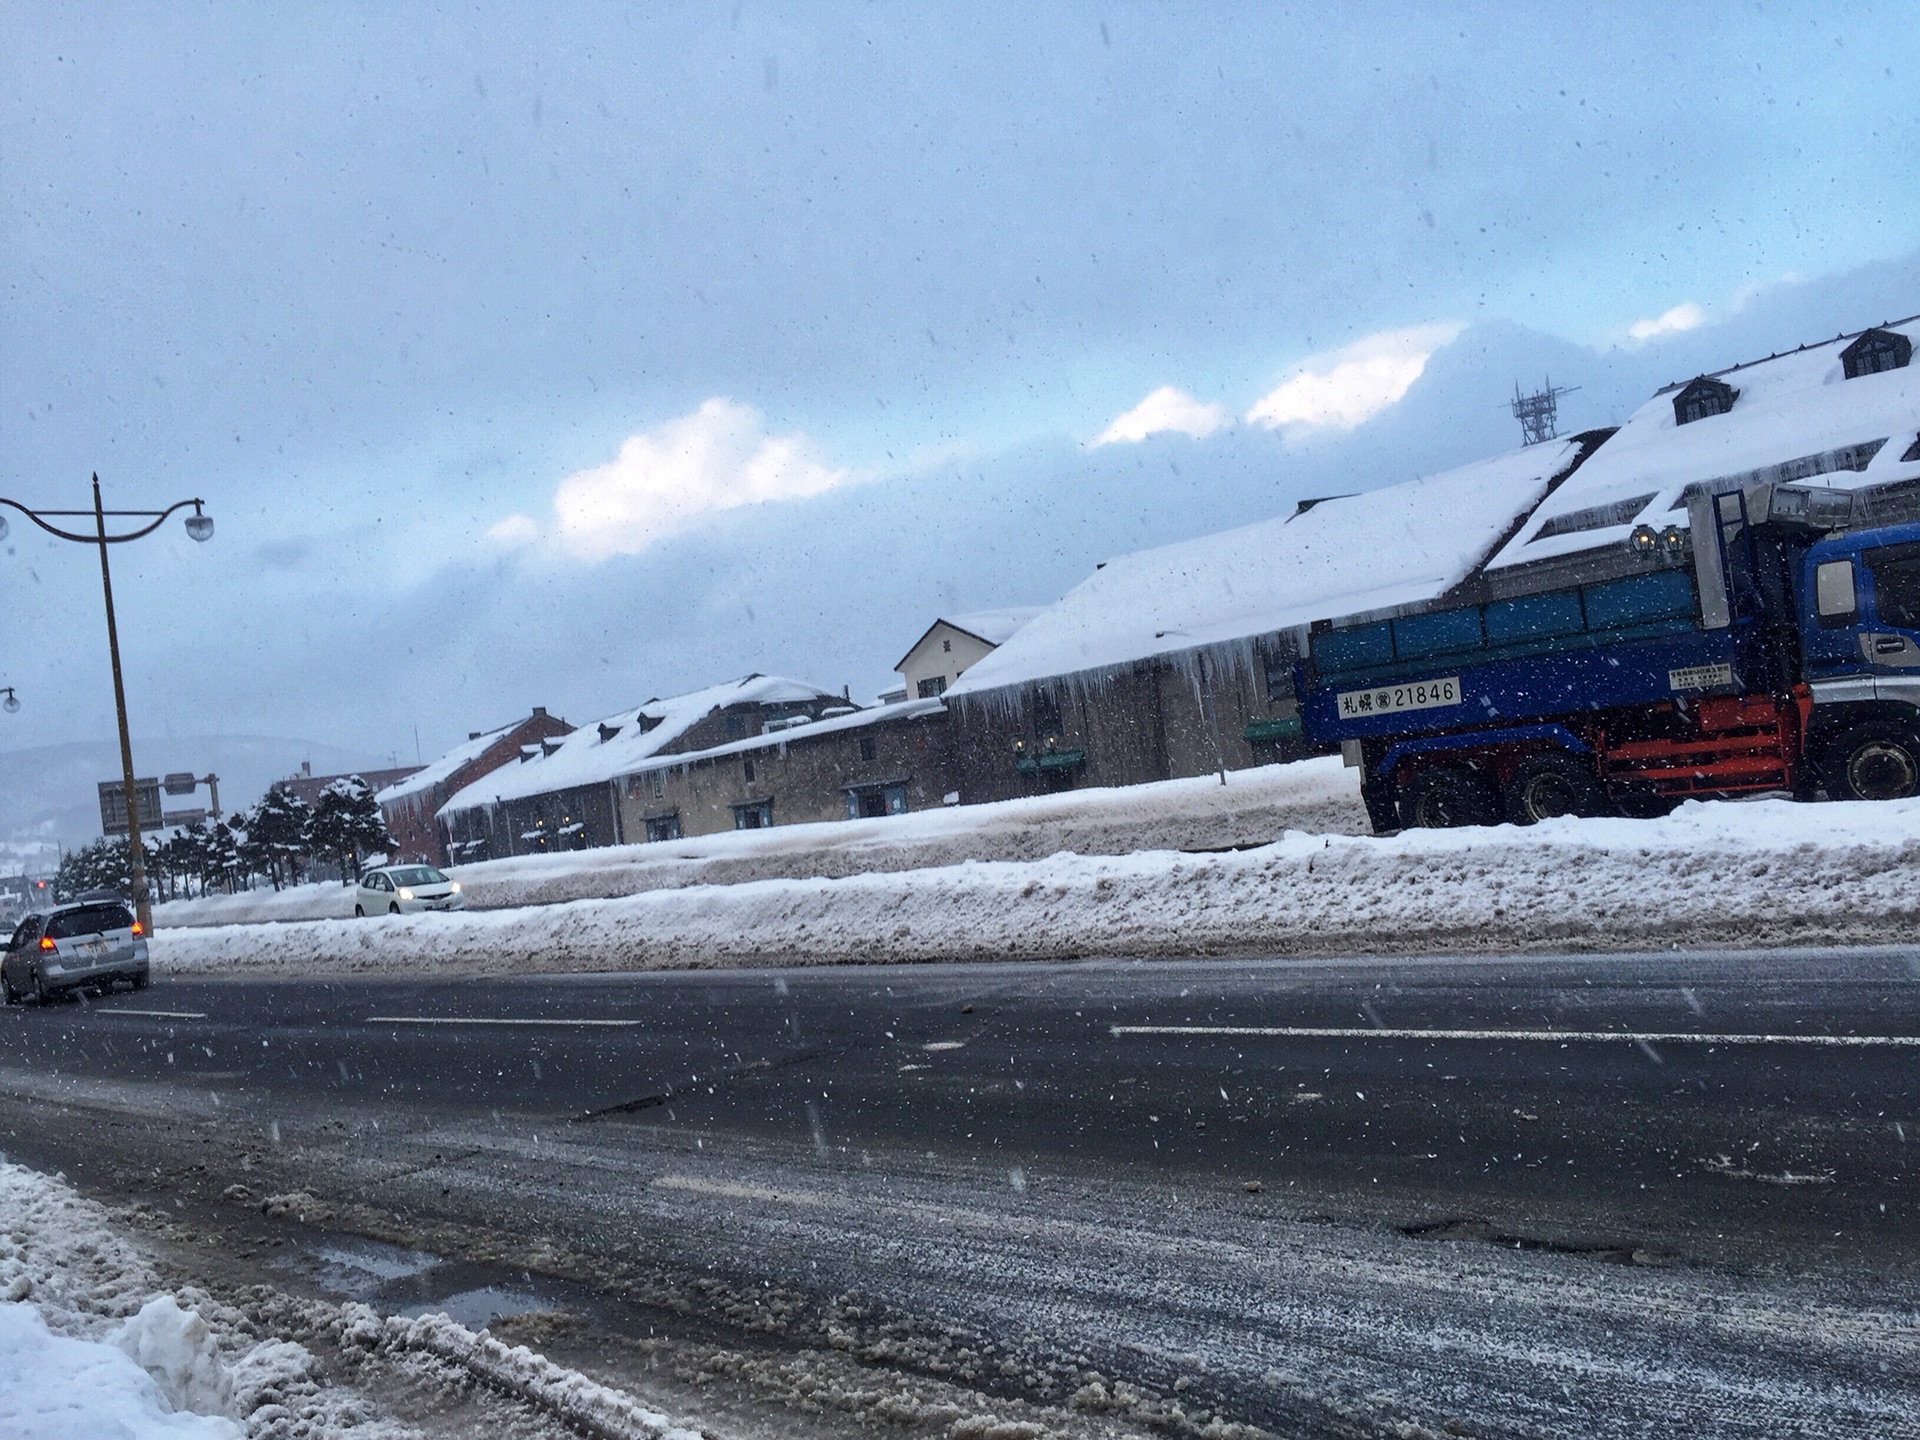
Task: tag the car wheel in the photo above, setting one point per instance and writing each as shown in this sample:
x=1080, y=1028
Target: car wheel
x=393, y=907
x=1446, y=796
x=12, y=996
x=359, y=913
x=37, y=988
x=142, y=979
x=1878, y=760
x=1547, y=786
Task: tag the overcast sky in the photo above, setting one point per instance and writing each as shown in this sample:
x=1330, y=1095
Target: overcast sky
x=574, y=354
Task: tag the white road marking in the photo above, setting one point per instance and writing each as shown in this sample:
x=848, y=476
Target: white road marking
x=493, y=1020
x=943, y=1045
x=154, y=1014
x=1643, y=1037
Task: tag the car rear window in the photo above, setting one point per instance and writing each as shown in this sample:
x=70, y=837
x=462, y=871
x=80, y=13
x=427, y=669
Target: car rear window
x=89, y=920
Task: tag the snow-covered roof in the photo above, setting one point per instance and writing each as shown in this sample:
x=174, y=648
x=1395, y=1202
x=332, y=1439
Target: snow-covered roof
x=1797, y=417
x=996, y=627
x=1400, y=545
x=873, y=715
x=584, y=758
x=425, y=779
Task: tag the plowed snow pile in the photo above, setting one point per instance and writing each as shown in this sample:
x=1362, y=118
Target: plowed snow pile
x=1252, y=807
x=1758, y=872
x=91, y=1345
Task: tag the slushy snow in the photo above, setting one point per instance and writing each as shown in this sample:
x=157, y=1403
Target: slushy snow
x=93, y=1348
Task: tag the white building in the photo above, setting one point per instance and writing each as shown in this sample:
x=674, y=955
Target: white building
x=952, y=644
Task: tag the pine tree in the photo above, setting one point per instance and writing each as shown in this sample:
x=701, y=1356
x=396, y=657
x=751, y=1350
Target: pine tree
x=347, y=825
x=222, y=862
x=102, y=865
x=277, y=834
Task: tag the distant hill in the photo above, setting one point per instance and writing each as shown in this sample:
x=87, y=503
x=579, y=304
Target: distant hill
x=48, y=800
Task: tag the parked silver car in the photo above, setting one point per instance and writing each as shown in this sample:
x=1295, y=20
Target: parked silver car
x=403, y=889
x=92, y=943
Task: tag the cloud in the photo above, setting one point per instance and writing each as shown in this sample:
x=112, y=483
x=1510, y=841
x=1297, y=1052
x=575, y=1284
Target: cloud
x=1681, y=317
x=514, y=531
x=1168, y=408
x=1342, y=389
x=666, y=479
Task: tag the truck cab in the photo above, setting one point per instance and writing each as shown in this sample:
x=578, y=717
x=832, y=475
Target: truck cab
x=1859, y=609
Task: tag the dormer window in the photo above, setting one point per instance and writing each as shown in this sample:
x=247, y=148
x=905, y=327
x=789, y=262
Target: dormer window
x=1702, y=397
x=1874, y=351
x=547, y=747
x=607, y=732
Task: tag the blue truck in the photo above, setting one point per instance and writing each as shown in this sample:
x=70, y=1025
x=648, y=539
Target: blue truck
x=1771, y=644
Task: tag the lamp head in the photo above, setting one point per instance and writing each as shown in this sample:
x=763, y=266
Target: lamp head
x=3, y=527
x=200, y=524
x=12, y=703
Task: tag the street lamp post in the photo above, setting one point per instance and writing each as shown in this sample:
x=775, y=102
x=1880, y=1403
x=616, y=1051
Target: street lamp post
x=200, y=527
x=12, y=703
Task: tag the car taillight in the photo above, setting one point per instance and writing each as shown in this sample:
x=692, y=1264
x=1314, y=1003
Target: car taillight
x=138, y=929
x=46, y=942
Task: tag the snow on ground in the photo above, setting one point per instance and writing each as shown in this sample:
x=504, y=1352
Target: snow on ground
x=92, y=1348
x=1714, y=873
x=1252, y=807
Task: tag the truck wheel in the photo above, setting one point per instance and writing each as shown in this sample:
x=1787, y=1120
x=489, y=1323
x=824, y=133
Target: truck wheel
x=1879, y=760
x=1446, y=796
x=1545, y=787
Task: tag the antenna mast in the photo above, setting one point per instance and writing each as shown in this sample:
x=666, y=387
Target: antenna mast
x=1539, y=413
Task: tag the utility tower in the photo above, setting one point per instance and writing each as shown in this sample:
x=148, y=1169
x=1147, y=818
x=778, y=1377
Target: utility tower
x=1539, y=413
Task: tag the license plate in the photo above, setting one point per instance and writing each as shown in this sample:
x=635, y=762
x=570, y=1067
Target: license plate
x=93, y=949
x=1699, y=677
x=1390, y=699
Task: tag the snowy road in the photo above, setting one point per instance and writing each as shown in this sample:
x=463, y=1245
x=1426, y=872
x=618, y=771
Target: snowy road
x=1460, y=1216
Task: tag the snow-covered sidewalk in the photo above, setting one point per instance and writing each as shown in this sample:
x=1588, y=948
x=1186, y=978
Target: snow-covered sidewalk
x=1767, y=872
x=92, y=1347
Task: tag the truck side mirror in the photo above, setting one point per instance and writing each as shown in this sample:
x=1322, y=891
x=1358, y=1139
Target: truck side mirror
x=1834, y=596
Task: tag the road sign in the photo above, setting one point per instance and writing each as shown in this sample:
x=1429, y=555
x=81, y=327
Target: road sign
x=184, y=817
x=113, y=804
x=180, y=782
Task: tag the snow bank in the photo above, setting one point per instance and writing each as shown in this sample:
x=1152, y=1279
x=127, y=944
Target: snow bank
x=54, y=1387
x=90, y=1351
x=1253, y=807
x=1755, y=872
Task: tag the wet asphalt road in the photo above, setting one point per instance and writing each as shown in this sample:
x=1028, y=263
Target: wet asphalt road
x=1686, y=1194
x=1652, y=1135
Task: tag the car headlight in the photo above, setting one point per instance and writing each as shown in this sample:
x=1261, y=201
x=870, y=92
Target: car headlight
x=456, y=886
x=405, y=894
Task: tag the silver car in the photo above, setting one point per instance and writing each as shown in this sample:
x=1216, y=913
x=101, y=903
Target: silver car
x=89, y=944
x=403, y=889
